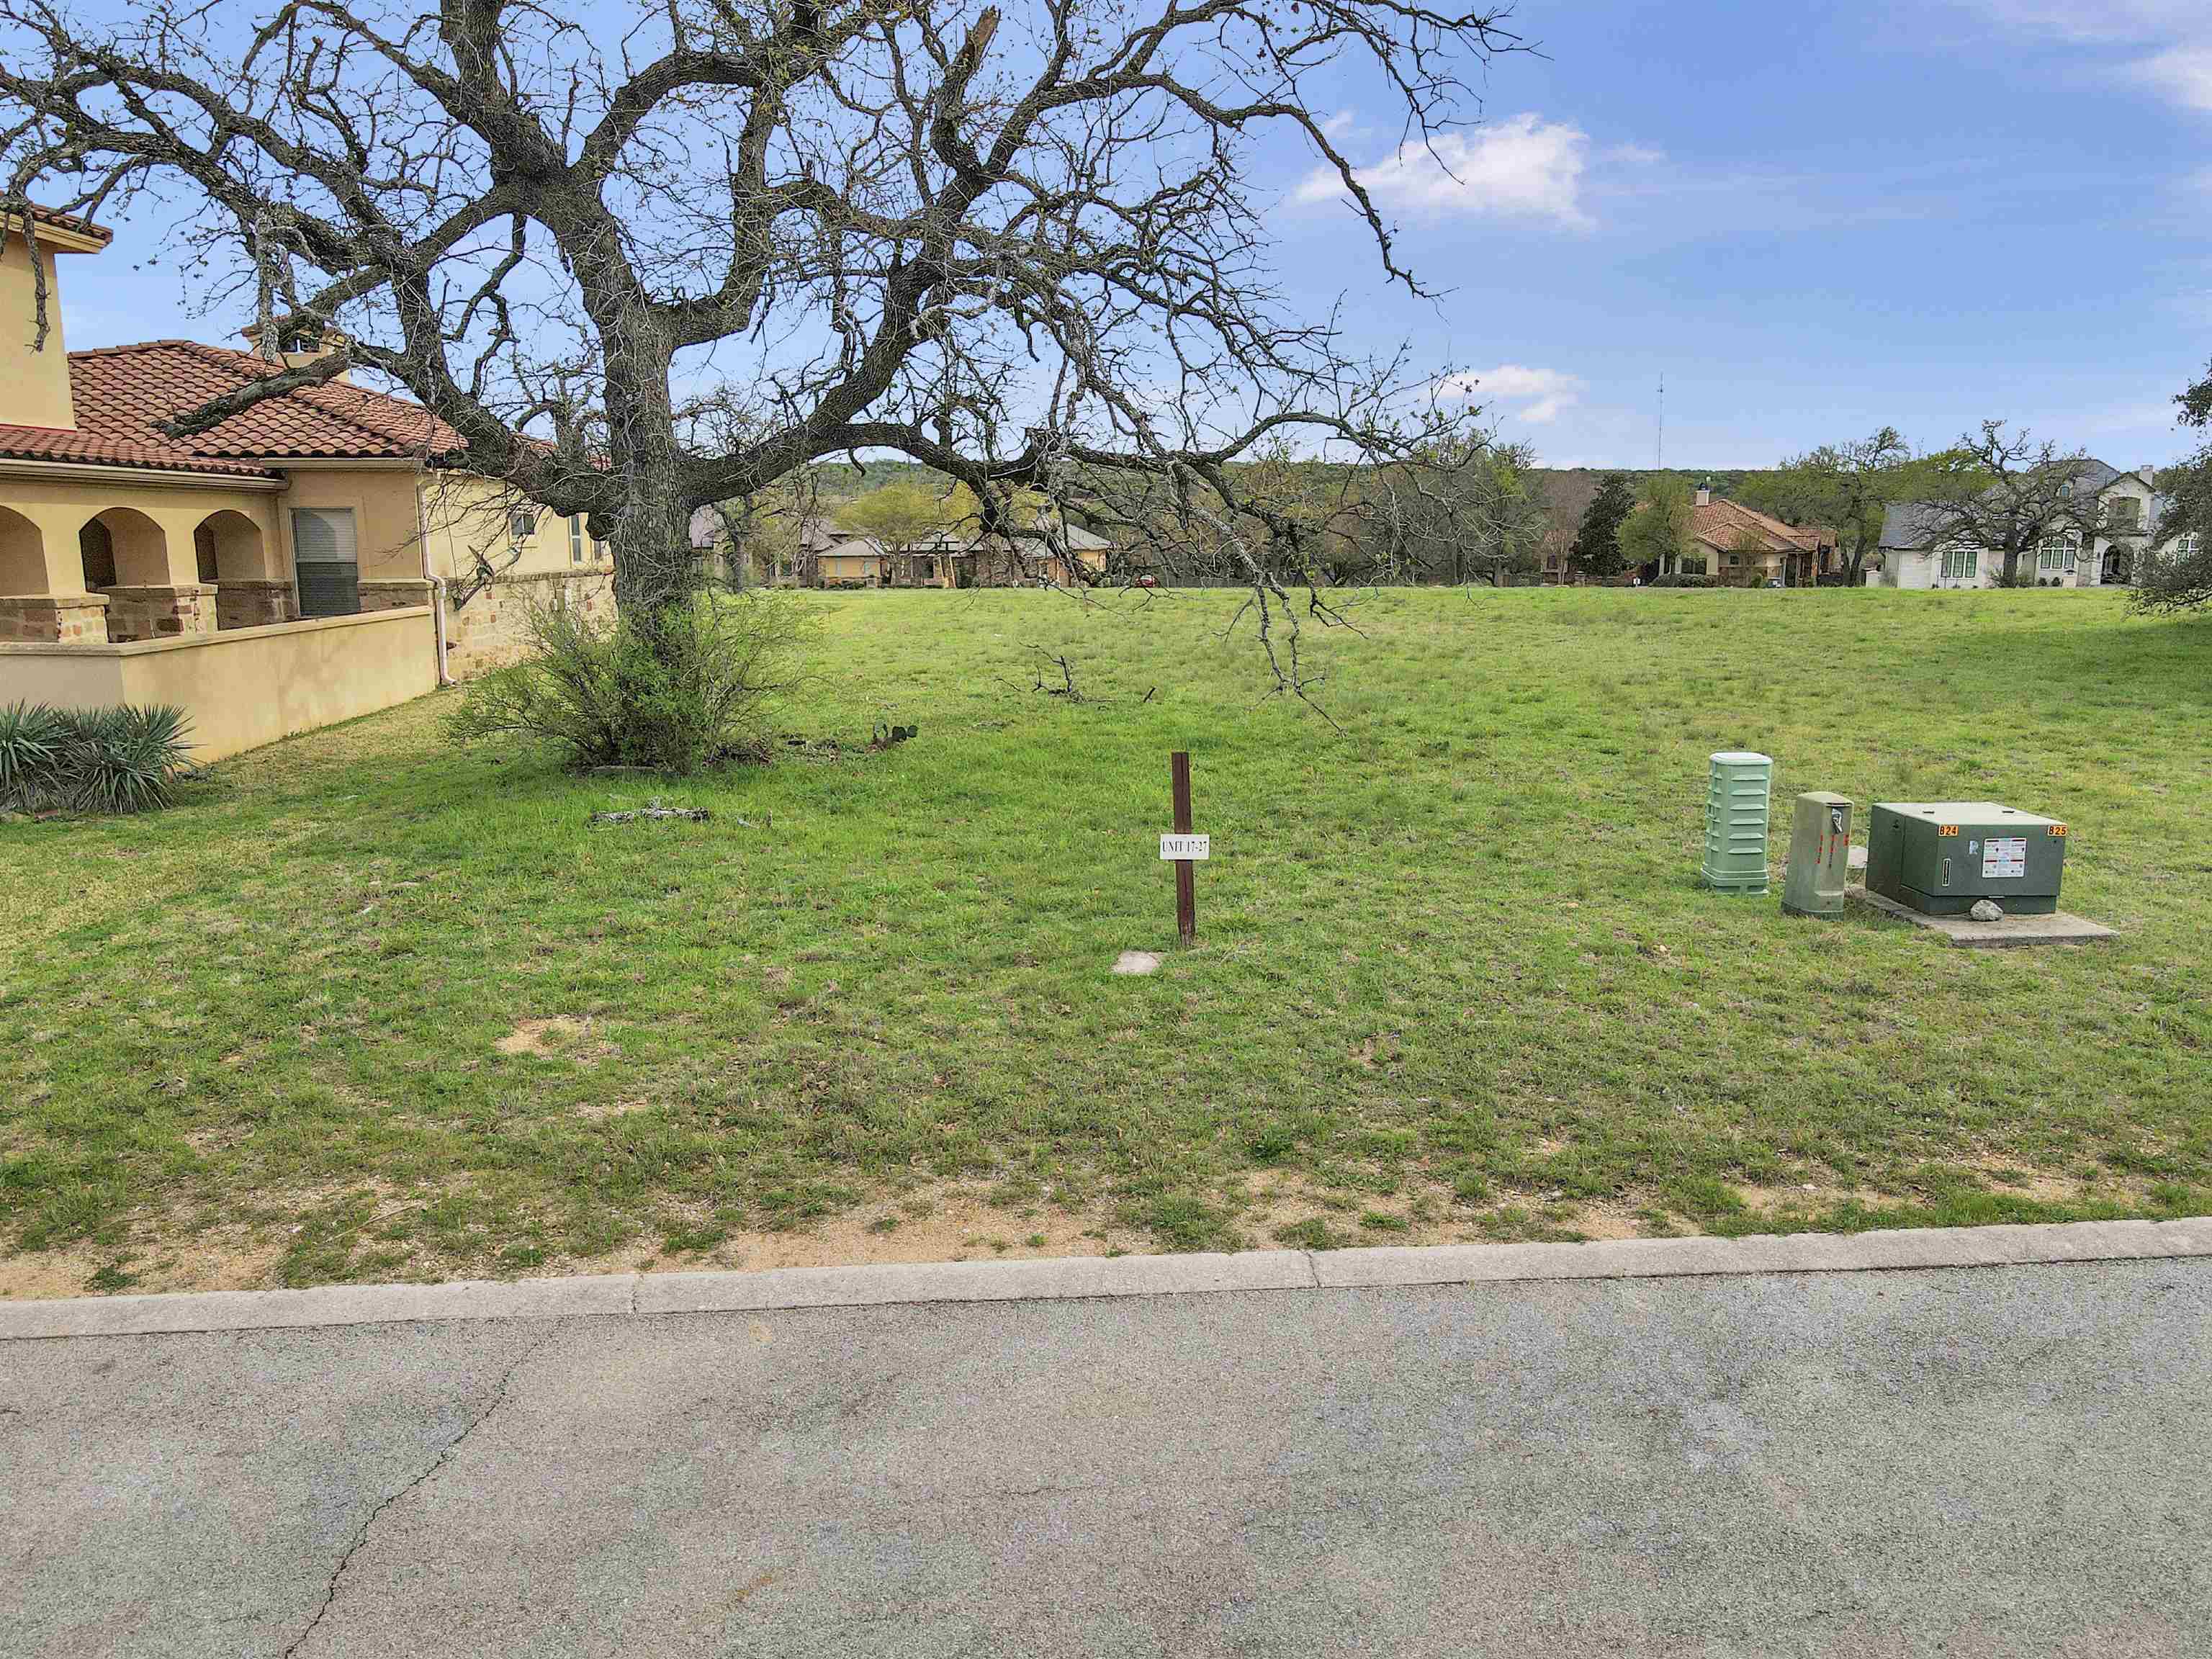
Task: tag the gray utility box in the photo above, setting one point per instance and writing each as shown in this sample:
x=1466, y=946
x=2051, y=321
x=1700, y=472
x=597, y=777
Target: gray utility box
x=1939, y=857
x=1819, y=855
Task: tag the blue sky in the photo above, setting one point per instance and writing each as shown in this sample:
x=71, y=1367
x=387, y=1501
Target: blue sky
x=1813, y=217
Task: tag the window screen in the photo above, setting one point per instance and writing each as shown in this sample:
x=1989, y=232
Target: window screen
x=326, y=561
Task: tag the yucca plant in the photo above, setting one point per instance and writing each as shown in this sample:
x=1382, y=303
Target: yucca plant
x=30, y=755
x=122, y=759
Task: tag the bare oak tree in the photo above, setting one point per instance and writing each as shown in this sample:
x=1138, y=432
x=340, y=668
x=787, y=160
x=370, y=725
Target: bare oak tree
x=648, y=264
x=2007, y=494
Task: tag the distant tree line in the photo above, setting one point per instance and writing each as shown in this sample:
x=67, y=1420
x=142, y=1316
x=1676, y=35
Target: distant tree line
x=1472, y=509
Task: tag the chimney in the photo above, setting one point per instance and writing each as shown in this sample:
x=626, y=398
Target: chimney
x=307, y=345
x=34, y=378
x=1705, y=494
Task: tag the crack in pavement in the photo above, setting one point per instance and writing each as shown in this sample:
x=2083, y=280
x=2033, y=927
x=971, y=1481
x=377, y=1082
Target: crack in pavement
x=445, y=1456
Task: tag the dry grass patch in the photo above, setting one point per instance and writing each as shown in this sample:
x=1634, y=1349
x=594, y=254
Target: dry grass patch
x=565, y=1035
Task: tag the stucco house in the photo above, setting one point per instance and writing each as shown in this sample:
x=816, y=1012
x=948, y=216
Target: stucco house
x=836, y=557
x=302, y=562
x=1742, y=547
x=1915, y=553
x=1736, y=545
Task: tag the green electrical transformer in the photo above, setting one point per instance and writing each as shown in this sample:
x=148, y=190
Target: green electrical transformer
x=1942, y=857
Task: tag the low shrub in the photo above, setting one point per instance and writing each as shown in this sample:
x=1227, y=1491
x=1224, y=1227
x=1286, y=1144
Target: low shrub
x=1679, y=579
x=115, y=760
x=699, y=695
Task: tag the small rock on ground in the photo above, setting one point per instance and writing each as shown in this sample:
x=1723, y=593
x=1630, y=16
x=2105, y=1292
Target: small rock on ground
x=1136, y=962
x=1987, y=910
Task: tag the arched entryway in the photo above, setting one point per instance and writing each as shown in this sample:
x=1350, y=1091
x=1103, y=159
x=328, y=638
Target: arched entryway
x=231, y=555
x=126, y=558
x=22, y=554
x=27, y=609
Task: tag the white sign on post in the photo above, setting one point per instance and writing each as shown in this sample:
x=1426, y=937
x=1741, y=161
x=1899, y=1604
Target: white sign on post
x=1197, y=848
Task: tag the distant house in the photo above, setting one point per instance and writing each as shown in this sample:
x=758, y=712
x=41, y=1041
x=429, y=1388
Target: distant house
x=1736, y=545
x=832, y=556
x=1742, y=547
x=1915, y=553
x=842, y=558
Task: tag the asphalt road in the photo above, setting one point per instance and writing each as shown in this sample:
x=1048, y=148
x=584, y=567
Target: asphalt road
x=2000, y=1462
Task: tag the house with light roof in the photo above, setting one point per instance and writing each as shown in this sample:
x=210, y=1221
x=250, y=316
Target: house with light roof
x=2123, y=507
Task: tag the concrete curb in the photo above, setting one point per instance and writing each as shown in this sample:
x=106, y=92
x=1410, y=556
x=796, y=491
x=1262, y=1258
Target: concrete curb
x=635, y=1295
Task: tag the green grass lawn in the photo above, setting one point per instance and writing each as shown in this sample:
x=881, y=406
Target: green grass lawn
x=365, y=1006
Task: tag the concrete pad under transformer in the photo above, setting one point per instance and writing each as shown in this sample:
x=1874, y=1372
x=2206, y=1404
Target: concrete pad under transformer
x=2058, y=927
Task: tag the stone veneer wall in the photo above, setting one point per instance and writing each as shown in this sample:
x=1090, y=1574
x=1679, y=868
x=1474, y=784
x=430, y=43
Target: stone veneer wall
x=71, y=619
x=400, y=595
x=493, y=628
x=159, y=613
x=253, y=604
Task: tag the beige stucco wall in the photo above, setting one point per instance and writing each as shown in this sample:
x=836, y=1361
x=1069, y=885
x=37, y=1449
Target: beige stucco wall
x=58, y=506
x=244, y=687
x=851, y=567
x=386, y=533
x=465, y=516
x=36, y=382
x=397, y=506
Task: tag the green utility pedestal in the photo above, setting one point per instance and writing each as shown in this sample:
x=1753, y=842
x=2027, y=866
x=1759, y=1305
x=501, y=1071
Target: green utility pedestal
x=1735, y=821
x=1819, y=855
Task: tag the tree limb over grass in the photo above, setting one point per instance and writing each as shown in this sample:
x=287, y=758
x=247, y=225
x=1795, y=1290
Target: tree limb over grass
x=1024, y=249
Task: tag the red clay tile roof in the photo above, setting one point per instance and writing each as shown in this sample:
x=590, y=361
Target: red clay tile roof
x=46, y=443
x=69, y=221
x=1720, y=522
x=120, y=391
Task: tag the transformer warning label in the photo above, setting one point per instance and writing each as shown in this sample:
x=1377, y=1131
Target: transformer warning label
x=2003, y=856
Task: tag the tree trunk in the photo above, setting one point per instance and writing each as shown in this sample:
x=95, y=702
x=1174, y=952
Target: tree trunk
x=656, y=572
x=2012, y=567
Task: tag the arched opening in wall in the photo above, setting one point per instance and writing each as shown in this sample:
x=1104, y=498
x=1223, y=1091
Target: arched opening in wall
x=228, y=550
x=125, y=550
x=136, y=553
x=97, y=547
x=22, y=554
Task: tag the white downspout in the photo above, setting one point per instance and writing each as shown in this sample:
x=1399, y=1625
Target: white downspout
x=437, y=582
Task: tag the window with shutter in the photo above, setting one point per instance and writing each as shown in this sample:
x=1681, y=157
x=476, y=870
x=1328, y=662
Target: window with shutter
x=325, y=561
x=575, y=538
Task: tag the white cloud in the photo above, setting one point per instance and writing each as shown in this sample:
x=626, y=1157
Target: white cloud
x=2182, y=74
x=1523, y=168
x=2173, y=36
x=1542, y=394
x=2098, y=20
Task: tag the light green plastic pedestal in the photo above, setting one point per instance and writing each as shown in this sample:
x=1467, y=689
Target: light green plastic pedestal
x=1819, y=855
x=1735, y=821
